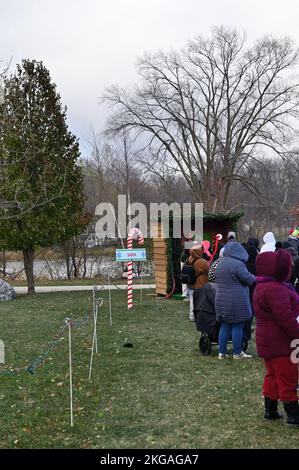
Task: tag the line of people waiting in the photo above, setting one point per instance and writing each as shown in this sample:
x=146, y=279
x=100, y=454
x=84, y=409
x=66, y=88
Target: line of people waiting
x=246, y=280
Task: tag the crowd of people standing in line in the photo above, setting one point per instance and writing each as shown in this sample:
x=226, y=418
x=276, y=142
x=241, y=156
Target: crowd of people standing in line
x=248, y=281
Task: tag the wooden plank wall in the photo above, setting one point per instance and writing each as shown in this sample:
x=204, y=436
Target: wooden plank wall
x=160, y=263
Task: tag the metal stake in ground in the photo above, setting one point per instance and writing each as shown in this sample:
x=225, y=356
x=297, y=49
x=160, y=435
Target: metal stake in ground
x=98, y=304
x=109, y=294
x=68, y=321
x=140, y=277
x=94, y=292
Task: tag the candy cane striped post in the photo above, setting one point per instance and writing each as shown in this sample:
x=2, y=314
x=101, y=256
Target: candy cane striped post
x=133, y=233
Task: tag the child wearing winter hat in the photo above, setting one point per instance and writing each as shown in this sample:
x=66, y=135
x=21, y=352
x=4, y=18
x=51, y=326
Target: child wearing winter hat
x=276, y=307
x=269, y=242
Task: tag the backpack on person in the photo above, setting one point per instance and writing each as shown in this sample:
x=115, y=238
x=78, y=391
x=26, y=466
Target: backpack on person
x=188, y=273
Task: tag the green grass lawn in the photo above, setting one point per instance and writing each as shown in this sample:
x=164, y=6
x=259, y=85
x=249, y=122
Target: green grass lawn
x=159, y=394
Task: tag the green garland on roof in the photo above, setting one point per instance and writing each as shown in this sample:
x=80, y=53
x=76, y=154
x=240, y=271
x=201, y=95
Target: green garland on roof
x=210, y=216
x=222, y=216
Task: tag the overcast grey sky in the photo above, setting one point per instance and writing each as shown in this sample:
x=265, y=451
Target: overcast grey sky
x=90, y=44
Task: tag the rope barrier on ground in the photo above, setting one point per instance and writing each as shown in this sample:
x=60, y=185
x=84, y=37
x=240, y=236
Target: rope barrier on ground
x=56, y=341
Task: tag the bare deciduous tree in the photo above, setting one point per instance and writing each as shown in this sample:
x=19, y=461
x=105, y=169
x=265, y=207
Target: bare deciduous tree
x=208, y=111
x=276, y=180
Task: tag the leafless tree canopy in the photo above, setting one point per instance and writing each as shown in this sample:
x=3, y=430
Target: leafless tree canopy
x=116, y=167
x=208, y=111
x=277, y=182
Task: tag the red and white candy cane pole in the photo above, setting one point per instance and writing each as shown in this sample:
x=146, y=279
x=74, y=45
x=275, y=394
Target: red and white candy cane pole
x=134, y=232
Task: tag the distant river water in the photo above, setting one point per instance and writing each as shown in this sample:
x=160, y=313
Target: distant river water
x=50, y=269
x=57, y=269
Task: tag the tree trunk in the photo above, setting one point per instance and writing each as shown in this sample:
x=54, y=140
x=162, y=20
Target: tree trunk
x=66, y=253
x=73, y=258
x=4, y=263
x=28, y=255
x=84, y=260
x=68, y=266
x=75, y=267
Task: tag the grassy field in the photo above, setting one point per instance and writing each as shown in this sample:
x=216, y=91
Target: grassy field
x=159, y=394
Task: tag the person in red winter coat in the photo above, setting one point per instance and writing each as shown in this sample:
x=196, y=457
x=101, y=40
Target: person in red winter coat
x=276, y=306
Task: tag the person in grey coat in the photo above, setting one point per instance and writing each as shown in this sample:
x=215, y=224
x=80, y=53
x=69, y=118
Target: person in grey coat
x=232, y=298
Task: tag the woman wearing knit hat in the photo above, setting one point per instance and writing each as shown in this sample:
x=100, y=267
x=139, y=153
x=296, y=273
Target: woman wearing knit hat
x=294, y=238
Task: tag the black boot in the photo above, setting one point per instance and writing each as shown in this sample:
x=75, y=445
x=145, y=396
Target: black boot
x=271, y=409
x=292, y=411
